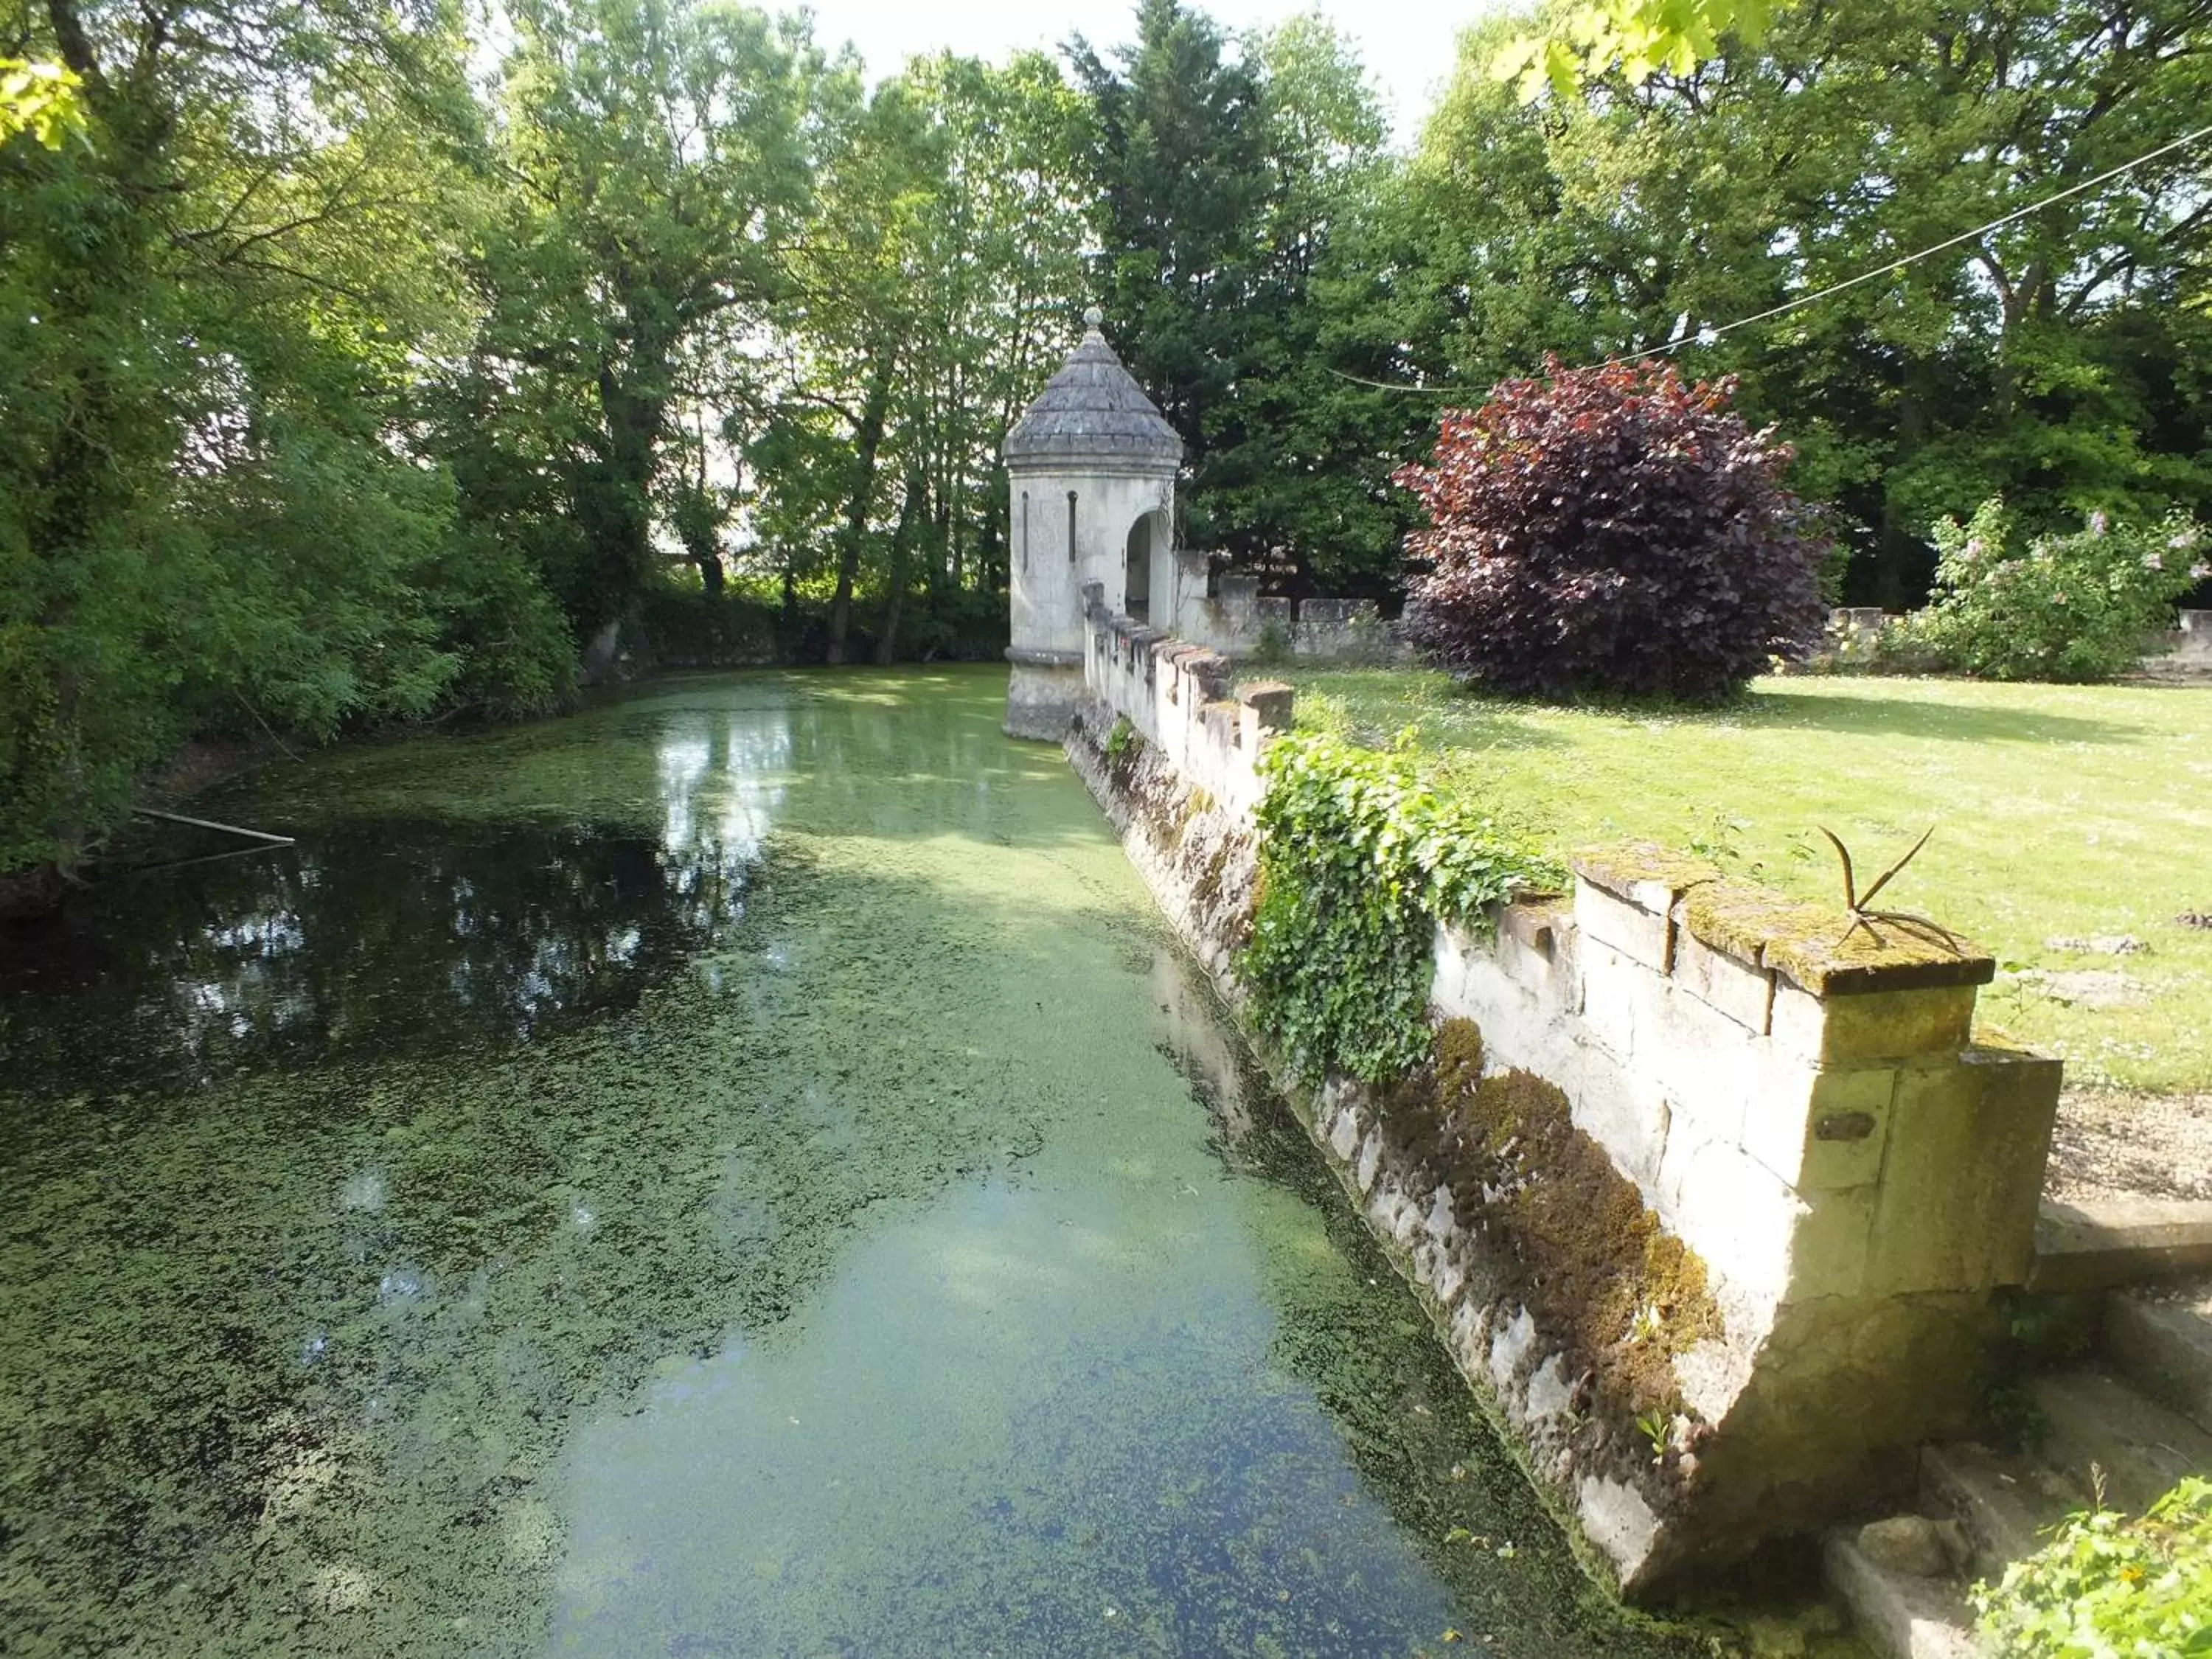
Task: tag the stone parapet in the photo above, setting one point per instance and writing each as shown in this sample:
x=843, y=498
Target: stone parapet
x=1177, y=697
x=1229, y=615
x=1800, y=1105
x=1808, y=1114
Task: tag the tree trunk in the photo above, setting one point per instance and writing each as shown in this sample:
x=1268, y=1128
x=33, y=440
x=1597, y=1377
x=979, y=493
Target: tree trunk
x=620, y=526
x=902, y=567
x=1900, y=542
x=867, y=439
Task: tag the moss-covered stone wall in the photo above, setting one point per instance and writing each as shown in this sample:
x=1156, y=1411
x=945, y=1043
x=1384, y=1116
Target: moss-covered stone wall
x=1709, y=1198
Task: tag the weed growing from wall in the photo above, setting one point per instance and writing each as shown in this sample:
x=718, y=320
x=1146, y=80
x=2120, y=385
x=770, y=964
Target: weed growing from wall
x=1359, y=859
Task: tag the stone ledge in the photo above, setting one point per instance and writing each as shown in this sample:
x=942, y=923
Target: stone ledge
x=1811, y=945
x=2097, y=1243
x=1643, y=873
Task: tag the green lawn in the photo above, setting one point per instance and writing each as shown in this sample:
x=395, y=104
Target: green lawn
x=2060, y=811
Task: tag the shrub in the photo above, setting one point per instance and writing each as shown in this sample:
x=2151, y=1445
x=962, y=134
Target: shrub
x=2107, y=1584
x=1612, y=530
x=1359, y=861
x=2072, y=608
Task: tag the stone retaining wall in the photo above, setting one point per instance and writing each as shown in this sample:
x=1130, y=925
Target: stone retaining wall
x=1234, y=621
x=1809, y=1116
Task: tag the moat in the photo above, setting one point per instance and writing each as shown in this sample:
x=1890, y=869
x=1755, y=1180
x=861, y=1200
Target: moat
x=742, y=1169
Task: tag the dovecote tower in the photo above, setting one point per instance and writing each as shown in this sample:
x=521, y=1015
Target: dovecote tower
x=1091, y=467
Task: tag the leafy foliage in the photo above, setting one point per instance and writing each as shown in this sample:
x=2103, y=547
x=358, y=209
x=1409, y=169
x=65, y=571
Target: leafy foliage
x=1613, y=529
x=2052, y=360
x=41, y=99
x=2109, y=1584
x=1232, y=181
x=212, y=310
x=1635, y=38
x=1359, y=860
x=2075, y=607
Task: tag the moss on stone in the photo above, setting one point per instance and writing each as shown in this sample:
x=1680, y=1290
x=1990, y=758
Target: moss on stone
x=1738, y=918
x=1806, y=942
x=1906, y=957
x=1620, y=867
x=1458, y=1057
x=1585, y=1255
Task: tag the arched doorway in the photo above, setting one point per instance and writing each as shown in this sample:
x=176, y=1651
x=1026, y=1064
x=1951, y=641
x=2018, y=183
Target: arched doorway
x=1144, y=562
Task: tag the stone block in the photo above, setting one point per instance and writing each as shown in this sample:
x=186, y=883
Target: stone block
x=1536, y=970
x=1732, y=1210
x=1820, y=1130
x=1612, y=983
x=1910, y=1618
x=1711, y=1068
x=1828, y=1249
x=1961, y=1183
x=1616, y=1518
x=2195, y=631
x=1643, y=932
x=1873, y=1027
x=1741, y=991
x=1533, y=924
x=1270, y=701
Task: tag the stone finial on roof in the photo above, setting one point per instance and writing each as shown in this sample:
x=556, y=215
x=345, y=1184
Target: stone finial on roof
x=1092, y=412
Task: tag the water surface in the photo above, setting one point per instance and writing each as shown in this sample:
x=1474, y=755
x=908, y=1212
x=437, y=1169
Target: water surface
x=741, y=1170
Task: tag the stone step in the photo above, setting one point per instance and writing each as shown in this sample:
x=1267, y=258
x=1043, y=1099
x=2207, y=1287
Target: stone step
x=2161, y=1341
x=2091, y=1419
x=2094, y=1244
x=1899, y=1614
x=2003, y=1504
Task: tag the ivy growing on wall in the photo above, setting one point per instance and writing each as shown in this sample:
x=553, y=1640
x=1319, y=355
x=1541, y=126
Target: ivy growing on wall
x=1359, y=859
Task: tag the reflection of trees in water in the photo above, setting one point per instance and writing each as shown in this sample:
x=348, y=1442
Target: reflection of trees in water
x=393, y=936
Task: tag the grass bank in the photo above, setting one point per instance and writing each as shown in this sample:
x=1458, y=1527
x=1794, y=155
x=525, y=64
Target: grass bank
x=2064, y=815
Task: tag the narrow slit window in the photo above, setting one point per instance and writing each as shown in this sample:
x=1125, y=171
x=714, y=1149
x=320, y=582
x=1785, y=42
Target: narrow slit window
x=1026, y=530
x=1071, y=526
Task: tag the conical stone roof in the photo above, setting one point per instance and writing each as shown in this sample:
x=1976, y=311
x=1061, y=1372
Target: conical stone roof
x=1092, y=413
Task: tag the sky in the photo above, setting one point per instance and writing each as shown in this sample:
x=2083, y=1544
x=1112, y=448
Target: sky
x=1406, y=44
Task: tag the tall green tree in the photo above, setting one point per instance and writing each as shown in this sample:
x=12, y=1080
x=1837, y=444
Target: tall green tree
x=1232, y=178
x=208, y=309
x=1179, y=180
x=930, y=296
x=657, y=161
x=2050, y=359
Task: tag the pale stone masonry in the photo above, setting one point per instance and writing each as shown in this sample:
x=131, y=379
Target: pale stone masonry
x=1091, y=468
x=1811, y=1117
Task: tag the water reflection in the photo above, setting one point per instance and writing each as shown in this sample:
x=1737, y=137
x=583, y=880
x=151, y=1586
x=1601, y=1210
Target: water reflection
x=392, y=935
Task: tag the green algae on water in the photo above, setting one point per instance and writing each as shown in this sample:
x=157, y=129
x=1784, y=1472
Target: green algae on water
x=409, y=1260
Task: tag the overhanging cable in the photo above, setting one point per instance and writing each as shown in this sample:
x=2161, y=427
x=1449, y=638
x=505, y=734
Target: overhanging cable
x=1707, y=336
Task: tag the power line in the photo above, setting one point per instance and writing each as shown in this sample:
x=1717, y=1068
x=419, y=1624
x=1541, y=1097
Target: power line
x=1707, y=336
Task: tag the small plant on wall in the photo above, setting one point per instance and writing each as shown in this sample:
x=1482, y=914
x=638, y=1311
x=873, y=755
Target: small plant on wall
x=1615, y=531
x=1359, y=859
